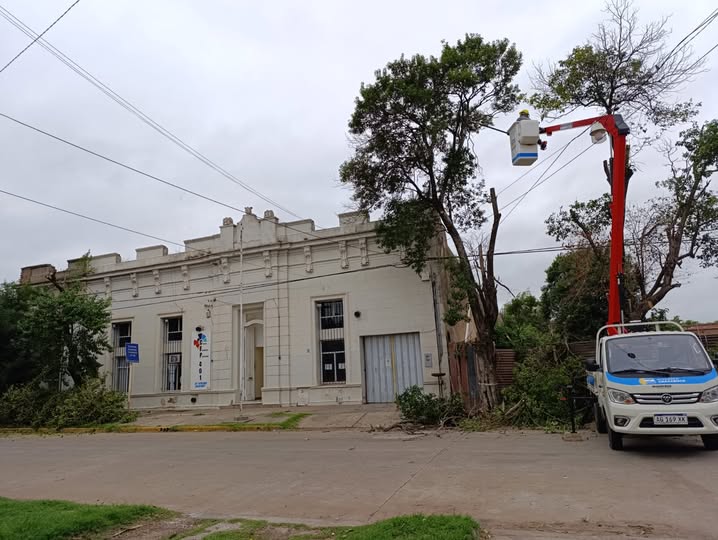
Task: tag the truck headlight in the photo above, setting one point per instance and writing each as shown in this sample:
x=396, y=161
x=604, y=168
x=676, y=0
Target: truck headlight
x=710, y=395
x=619, y=396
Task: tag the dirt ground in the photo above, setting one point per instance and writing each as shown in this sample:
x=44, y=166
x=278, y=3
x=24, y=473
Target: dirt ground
x=528, y=485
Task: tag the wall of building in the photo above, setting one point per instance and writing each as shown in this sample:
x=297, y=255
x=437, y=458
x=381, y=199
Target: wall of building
x=285, y=268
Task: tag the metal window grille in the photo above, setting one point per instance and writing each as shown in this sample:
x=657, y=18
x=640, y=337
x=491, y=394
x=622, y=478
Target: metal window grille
x=331, y=342
x=172, y=354
x=121, y=335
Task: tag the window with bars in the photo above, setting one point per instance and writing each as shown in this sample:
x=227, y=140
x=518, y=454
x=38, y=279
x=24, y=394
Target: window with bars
x=121, y=336
x=172, y=354
x=330, y=322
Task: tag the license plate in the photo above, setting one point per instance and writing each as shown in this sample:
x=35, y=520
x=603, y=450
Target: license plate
x=670, y=419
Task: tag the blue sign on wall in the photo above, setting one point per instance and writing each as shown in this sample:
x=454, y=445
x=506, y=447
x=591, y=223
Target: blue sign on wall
x=132, y=353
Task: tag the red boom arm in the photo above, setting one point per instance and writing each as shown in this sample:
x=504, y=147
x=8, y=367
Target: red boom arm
x=617, y=129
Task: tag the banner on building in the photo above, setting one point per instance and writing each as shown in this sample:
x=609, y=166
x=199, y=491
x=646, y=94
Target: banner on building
x=200, y=360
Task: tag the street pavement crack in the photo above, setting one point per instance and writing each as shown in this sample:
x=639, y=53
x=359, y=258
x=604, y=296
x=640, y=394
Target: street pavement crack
x=411, y=477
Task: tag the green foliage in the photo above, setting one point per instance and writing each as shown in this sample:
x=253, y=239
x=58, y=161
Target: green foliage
x=40, y=520
x=409, y=225
x=413, y=129
x=539, y=384
x=428, y=409
x=522, y=326
x=15, y=366
x=574, y=295
x=36, y=405
x=66, y=331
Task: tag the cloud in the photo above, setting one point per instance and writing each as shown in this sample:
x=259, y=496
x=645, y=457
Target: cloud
x=265, y=90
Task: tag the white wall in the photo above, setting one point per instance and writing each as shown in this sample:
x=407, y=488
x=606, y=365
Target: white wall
x=286, y=280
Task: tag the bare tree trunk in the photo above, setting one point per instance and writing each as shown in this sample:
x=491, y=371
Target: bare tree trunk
x=484, y=307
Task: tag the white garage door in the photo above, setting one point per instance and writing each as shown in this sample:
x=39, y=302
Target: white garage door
x=392, y=364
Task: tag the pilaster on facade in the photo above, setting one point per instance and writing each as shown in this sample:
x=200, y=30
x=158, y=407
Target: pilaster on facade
x=224, y=269
x=308, y=265
x=108, y=287
x=364, y=252
x=133, y=284
x=266, y=256
x=343, y=254
x=156, y=279
x=185, y=277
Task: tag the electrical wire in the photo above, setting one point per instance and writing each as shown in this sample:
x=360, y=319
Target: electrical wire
x=133, y=109
x=153, y=177
x=683, y=43
x=534, y=168
x=109, y=224
x=541, y=180
x=39, y=36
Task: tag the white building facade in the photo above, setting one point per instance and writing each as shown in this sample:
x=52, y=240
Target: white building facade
x=275, y=313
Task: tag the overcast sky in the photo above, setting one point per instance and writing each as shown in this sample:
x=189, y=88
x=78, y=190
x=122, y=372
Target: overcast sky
x=265, y=90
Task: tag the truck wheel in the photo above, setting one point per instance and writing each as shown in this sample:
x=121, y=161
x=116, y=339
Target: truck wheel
x=615, y=440
x=710, y=442
x=601, y=426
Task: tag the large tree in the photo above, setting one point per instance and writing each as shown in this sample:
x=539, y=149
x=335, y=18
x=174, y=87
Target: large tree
x=414, y=160
x=679, y=224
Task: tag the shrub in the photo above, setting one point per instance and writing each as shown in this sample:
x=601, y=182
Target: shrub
x=24, y=405
x=89, y=404
x=539, y=384
x=428, y=409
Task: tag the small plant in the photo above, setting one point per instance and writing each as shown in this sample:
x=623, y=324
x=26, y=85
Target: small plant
x=428, y=409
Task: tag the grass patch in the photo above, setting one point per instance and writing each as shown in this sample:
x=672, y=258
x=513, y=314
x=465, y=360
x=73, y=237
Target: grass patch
x=292, y=422
x=40, y=520
x=417, y=527
x=279, y=414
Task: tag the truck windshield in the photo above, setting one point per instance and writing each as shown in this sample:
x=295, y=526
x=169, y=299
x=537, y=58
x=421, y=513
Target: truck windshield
x=667, y=355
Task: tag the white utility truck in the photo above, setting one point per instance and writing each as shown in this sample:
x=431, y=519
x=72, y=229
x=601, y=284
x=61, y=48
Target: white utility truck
x=653, y=379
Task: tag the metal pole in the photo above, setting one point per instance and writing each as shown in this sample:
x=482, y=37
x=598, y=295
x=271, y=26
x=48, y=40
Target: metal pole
x=618, y=209
x=241, y=316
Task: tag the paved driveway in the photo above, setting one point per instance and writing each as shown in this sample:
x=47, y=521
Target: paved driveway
x=522, y=485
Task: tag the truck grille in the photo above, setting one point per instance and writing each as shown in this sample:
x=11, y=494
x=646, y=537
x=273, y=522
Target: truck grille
x=681, y=398
x=692, y=422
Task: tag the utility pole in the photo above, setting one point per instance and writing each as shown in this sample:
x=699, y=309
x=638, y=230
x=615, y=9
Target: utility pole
x=241, y=316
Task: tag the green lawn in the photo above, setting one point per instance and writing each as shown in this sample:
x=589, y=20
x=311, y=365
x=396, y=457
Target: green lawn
x=416, y=527
x=39, y=520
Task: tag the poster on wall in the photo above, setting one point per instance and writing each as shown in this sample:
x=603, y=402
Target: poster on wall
x=200, y=360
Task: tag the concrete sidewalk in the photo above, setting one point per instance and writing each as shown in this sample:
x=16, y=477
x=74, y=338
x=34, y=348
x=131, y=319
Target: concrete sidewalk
x=321, y=417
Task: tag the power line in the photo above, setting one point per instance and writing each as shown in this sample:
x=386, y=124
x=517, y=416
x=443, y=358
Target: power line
x=18, y=55
x=153, y=177
x=133, y=109
x=109, y=224
x=532, y=169
x=83, y=216
x=706, y=54
x=541, y=180
x=683, y=43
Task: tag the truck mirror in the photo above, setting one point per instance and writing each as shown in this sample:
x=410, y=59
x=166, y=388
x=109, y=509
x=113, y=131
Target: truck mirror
x=592, y=365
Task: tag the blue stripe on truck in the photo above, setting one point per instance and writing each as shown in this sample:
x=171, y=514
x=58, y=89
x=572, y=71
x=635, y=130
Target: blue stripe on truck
x=645, y=381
